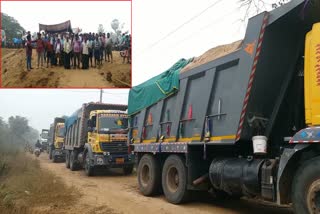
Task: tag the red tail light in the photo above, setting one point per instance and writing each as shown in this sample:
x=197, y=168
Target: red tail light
x=168, y=130
x=129, y=149
x=190, y=112
x=144, y=132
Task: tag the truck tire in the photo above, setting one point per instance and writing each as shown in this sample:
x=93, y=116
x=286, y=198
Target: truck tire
x=127, y=170
x=67, y=159
x=149, y=175
x=89, y=170
x=54, y=159
x=306, y=188
x=73, y=164
x=174, y=180
x=50, y=154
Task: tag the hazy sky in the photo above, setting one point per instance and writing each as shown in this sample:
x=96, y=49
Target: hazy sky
x=154, y=19
x=40, y=106
x=86, y=15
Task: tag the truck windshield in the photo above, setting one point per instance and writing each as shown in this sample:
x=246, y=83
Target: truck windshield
x=112, y=123
x=61, y=132
x=44, y=135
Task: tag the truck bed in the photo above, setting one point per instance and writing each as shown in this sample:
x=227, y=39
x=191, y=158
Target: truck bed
x=232, y=98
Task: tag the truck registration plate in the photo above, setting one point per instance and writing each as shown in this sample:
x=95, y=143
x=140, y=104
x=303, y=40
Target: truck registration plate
x=119, y=160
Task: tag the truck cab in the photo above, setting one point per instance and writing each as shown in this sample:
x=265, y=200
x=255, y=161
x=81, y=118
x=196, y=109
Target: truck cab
x=44, y=139
x=59, y=136
x=56, y=140
x=107, y=140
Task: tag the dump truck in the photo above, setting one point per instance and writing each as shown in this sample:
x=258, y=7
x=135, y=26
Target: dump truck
x=96, y=139
x=244, y=124
x=44, y=139
x=56, y=140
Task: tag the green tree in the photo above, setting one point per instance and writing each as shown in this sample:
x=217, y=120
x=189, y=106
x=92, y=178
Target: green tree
x=18, y=125
x=11, y=27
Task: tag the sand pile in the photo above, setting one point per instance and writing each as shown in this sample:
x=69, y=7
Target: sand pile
x=212, y=54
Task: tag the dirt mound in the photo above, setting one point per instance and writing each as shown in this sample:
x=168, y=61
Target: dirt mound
x=15, y=74
x=212, y=54
x=26, y=188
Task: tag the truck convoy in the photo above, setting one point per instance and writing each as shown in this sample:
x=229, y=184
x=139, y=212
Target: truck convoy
x=96, y=138
x=56, y=140
x=44, y=139
x=245, y=124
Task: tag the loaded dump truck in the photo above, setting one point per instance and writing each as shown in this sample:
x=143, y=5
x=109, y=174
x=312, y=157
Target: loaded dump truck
x=56, y=140
x=244, y=124
x=96, y=138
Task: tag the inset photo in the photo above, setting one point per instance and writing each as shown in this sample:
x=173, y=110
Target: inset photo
x=66, y=44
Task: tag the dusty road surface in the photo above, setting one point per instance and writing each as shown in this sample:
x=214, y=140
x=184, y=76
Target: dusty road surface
x=15, y=74
x=115, y=193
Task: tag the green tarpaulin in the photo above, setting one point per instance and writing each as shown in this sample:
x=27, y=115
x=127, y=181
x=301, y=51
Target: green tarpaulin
x=156, y=88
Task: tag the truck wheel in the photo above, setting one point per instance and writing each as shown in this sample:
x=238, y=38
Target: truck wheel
x=73, y=165
x=127, y=170
x=87, y=167
x=50, y=154
x=67, y=159
x=54, y=159
x=174, y=180
x=306, y=188
x=149, y=175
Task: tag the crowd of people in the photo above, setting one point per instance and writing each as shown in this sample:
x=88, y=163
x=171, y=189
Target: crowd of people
x=75, y=50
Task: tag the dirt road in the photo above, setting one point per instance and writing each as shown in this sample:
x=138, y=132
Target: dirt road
x=15, y=74
x=115, y=193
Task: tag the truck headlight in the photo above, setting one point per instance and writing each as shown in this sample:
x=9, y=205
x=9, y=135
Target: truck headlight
x=100, y=161
x=106, y=153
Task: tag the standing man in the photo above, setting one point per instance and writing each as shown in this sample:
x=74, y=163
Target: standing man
x=109, y=48
x=49, y=50
x=85, y=53
x=29, y=52
x=58, y=48
x=76, y=52
x=40, y=50
x=96, y=46
x=67, y=50
x=90, y=48
x=103, y=46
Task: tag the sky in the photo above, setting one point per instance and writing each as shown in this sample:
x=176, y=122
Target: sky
x=153, y=20
x=194, y=27
x=85, y=15
x=41, y=106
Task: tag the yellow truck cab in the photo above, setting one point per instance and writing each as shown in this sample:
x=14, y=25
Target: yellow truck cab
x=96, y=138
x=59, y=136
x=107, y=127
x=56, y=140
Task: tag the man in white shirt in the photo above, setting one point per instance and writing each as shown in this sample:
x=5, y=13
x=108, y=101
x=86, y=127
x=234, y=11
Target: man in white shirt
x=67, y=50
x=85, y=53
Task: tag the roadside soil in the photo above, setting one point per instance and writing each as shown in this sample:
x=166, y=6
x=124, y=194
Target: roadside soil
x=15, y=74
x=114, y=193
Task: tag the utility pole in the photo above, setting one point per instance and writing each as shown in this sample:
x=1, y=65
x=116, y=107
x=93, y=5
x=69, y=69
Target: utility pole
x=101, y=92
